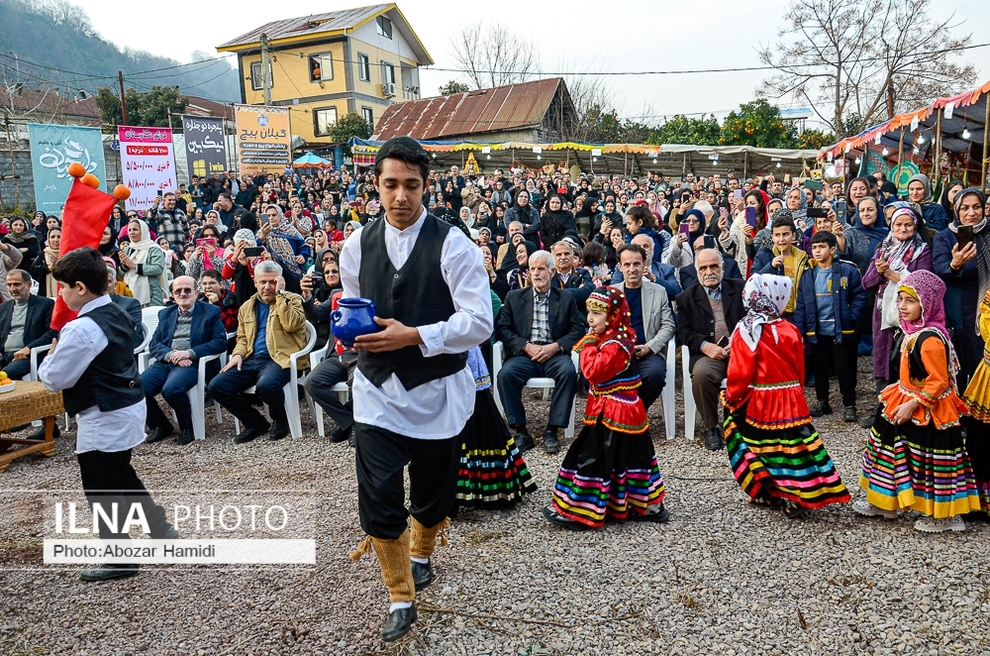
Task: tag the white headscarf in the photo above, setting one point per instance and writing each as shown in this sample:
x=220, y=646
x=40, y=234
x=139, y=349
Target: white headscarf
x=765, y=297
x=139, y=251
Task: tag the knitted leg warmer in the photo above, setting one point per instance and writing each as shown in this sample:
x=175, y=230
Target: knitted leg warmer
x=424, y=539
x=393, y=558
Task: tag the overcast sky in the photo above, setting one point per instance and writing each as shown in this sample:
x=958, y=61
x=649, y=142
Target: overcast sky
x=613, y=36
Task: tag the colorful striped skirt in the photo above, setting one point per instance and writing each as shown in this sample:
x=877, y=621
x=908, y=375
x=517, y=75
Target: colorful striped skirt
x=787, y=463
x=608, y=473
x=978, y=447
x=492, y=472
x=918, y=468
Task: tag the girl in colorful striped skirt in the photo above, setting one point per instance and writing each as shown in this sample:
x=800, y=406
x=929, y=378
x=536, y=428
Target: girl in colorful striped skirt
x=915, y=458
x=492, y=472
x=611, y=469
x=776, y=454
x=977, y=398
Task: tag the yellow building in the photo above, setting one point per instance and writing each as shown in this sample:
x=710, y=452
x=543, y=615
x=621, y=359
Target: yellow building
x=324, y=66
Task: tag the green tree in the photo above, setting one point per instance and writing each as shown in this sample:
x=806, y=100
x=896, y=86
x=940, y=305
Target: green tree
x=757, y=123
x=680, y=129
x=149, y=109
x=814, y=139
x=453, y=87
x=350, y=125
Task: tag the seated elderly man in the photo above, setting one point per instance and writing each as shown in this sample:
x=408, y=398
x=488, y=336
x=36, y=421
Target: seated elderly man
x=187, y=331
x=24, y=324
x=651, y=318
x=538, y=326
x=689, y=273
x=271, y=325
x=568, y=275
x=708, y=314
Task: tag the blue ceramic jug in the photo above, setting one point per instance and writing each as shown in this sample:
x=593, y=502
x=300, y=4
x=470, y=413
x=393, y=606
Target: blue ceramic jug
x=352, y=318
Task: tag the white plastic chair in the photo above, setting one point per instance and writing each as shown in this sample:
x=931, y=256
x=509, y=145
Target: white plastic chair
x=315, y=358
x=545, y=384
x=291, y=389
x=667, y=396
x=690, y=406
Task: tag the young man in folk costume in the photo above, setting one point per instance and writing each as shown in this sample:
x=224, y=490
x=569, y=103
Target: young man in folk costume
x=413, y=391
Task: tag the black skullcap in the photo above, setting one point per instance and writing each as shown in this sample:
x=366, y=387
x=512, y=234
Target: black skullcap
x=408, y=144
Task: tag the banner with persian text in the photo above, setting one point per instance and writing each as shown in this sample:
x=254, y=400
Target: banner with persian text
x=206, y=150
x=147, y=165
x=263, y=139
x=53, y=148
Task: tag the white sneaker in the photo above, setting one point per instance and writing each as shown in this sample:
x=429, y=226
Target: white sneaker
x=864, y=507
x=931, y=525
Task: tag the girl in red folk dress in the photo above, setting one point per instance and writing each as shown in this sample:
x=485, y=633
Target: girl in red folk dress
x=611, y=469
x=776, y=454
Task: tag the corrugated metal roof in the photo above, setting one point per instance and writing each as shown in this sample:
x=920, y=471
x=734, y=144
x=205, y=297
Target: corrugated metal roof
x=312, y=24
x=472, y=112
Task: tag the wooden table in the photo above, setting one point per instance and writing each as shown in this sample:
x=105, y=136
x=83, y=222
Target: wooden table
x=28, y=402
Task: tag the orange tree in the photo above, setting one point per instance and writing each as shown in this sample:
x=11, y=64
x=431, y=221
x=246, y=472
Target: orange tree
x=759, y=124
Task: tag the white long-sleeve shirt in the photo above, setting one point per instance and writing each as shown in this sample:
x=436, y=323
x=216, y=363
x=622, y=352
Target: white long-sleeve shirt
x=439, y=408
x=80, y=341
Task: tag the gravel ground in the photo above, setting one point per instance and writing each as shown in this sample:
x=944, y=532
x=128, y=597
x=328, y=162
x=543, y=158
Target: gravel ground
x=721, y=577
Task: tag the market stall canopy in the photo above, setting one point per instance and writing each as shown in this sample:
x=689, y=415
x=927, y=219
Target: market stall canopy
x=626, y=159
x=311, y=161
x=963, y=124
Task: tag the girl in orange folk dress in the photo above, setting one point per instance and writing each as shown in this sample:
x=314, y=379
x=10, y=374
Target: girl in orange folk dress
x=776, y=454
x=611, y=469
x=916, y=458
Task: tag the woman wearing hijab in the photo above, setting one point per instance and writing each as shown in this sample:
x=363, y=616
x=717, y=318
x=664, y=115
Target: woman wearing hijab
x=553, y=225
x=959, y=267
x=518, y=276
x=797, y=204
x=920, y=195
x=286, y=245
x=869, y=224
x=108, y=246
x=775, y=453
x=948, y=198
x=681, y=253
x=916, y=457
x=206, y=257
x=23, y=239
x=901, y=252
x=144, y=265
x=42, y=268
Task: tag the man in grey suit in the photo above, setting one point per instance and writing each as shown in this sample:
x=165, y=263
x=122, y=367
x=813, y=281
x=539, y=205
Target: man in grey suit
x=651, y=318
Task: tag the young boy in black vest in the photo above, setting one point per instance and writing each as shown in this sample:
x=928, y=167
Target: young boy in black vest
x=92, y=363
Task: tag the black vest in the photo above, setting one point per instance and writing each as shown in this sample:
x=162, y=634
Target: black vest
x=416, y=295
x=111, y=380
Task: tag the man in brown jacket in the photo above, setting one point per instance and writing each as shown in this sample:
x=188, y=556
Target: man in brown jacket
x=271, y=325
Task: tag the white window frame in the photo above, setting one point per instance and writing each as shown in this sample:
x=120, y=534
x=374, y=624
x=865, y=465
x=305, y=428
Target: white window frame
x=325, y=59
x=368, y=114
x=364, y=67
x=384, y=27
x=316, y=120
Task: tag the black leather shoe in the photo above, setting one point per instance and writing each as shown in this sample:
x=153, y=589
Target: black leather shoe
x=713, y=441
x=340, y=435
x=160, y=434
x=252, y=432
x=658, y=517
x=108, y=572
x=820, y=409
x=524, y=442
x=849, y=414
x=279, y=430
x=40, y=433
x=550, y=442
x=186, y=437
x=399, y=623
x=557, y=519
x=422, y=575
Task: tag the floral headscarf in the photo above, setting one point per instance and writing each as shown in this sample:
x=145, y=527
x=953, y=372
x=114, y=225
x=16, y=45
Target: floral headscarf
x=618, y=327
x=899, y=254
x=765, y=297
x=929, y=289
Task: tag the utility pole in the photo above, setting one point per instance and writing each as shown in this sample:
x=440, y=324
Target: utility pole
x=123, y=102
x=265, y=68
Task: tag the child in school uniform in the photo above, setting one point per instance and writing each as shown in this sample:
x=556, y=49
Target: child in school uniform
x=611, y=470
x=92, y=364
